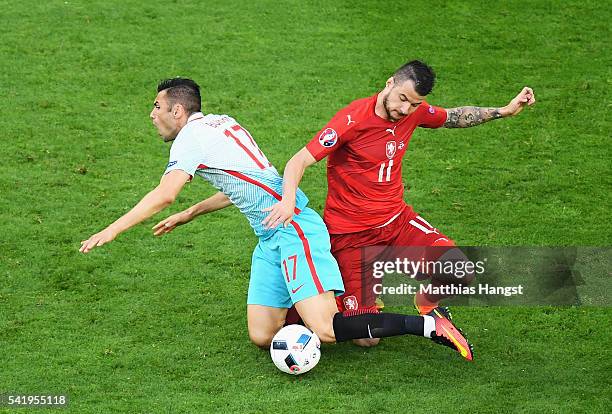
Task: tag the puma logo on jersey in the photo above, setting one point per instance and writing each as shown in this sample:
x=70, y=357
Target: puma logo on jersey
x=349, y=120
x=391, y=131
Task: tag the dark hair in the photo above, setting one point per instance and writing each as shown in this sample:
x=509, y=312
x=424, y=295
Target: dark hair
x=183, y=91
x=420, y=73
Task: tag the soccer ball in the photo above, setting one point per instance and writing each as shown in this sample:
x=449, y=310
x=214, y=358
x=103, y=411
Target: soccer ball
x=295, y=349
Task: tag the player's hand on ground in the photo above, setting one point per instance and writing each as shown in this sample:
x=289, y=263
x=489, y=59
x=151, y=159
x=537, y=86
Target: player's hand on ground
x=97, y=240
x=170, y=223
x=280, y=213
x=525, y=98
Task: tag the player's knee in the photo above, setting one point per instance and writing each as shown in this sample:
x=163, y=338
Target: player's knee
x=324, y=330
x=464, y=267
x=260, y=338
x=366, y=342
x=465, y=277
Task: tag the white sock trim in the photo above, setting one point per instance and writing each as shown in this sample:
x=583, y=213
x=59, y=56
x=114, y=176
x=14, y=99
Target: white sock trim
x=429, y=325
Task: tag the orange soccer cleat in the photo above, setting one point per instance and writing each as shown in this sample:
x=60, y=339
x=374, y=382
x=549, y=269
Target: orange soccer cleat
x=448, y=334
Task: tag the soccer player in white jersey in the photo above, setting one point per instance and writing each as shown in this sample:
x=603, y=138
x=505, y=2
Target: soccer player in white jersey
x=292, y=265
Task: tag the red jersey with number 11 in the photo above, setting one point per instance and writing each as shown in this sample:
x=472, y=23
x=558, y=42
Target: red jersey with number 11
x=364, y=168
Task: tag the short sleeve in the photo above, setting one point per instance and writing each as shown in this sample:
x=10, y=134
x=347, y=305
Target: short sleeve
x=185, y=155
x=431, y=116
x=332, y=136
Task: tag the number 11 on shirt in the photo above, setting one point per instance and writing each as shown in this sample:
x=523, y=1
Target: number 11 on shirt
x=381, y=171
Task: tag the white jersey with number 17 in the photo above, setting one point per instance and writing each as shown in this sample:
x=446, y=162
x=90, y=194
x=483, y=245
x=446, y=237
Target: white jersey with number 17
x=218, y=149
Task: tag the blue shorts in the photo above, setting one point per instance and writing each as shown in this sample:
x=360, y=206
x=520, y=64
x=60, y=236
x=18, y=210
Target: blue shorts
x=294, y=263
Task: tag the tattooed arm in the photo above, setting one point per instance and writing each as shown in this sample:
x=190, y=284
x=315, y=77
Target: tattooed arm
x=469, y=116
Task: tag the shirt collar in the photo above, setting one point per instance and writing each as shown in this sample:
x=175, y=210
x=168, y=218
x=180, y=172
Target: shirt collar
x=194, y=116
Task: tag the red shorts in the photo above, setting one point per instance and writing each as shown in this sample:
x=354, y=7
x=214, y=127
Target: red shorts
x=408, y=229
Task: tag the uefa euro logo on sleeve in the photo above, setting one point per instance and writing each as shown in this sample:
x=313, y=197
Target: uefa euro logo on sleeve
x=328, y=138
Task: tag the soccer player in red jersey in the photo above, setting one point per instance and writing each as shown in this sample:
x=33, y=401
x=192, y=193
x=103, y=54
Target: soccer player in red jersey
x=365, y=143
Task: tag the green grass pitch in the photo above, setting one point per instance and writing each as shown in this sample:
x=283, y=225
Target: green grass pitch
x=148, y=325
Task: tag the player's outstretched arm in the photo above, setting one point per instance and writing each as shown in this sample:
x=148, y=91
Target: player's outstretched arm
x=214, y=203
x=159, y=198
x=469, y=116
x=282, y=212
